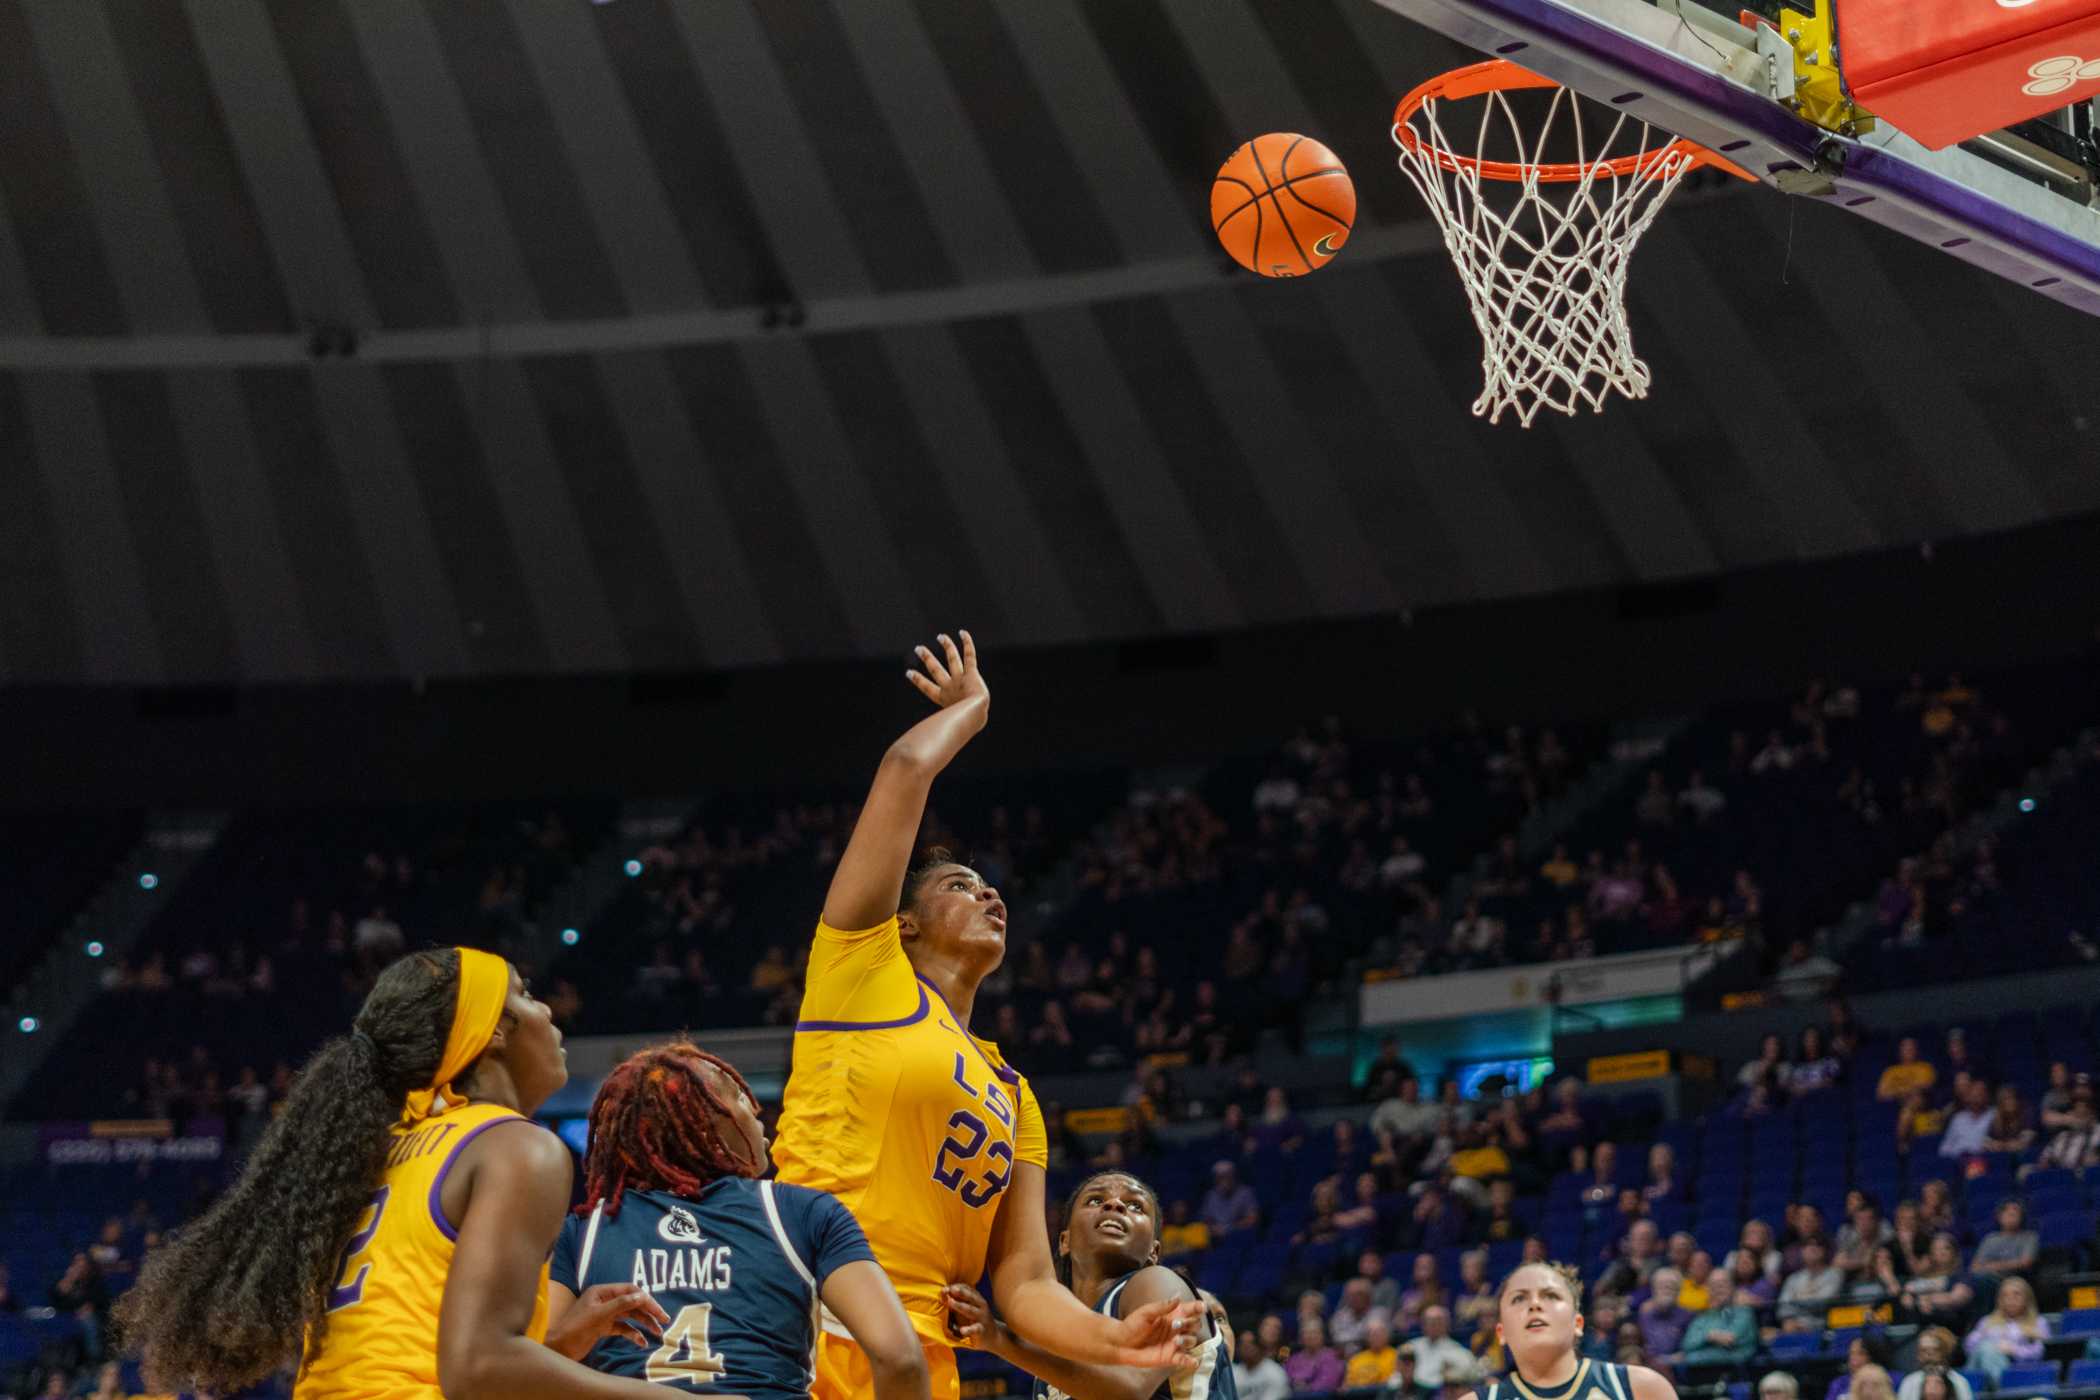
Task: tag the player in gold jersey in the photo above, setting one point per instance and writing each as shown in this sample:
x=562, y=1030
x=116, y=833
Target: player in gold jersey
x=921, y=1128
x=391, y=1230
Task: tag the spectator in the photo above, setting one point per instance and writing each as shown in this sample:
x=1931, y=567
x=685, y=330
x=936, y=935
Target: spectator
x=1474, y=1304
x=1441, y=1359
x=1559, y=870
x=1390, y=1065
x=1320, y=1227
x=1912, y=1238
x=1654, y=807
x=1881, y=1281
x=2057, y=1098
x=1424, y=1291
x=1182, y=1234
x=1858, y=1237
x=1814, y=1068
x=1810, y=1290
x=1375, y=1362
x=2075, y=1145
x=1603, y=1185
x=1778, y=1385
x=1936, y=1205
x=1662, y=1319
x=1918, y=1118
x=1439, y=1222
x=1696, y=1292
x=1639, y=1255
x=1360, y=1217
x=1907, y=1075
x=1502, y=1224
x=1351, y=1322
x=2010, y=1129
x=1255, y=1374
x=1278, y=1126
x=1725, y=1333
x=1478, y=1159
x=109, y=1383
x=1402, y=866
x=2011, y=1248
x=1768, y=1069
x=1872, y=1383
x=1314, y=1366
x=2012, y=1331
x=1756, y=1242
x=1939, y=1293
x=1405, y=1118
x=1747, y=1277
x=1662, y=1175
x=1230, y=1204
x=1702, y=799
x=1859, y=1355
x=1969, y=1127
x=1934, y=1353
x=1385, y=1293
x=1567, y=1127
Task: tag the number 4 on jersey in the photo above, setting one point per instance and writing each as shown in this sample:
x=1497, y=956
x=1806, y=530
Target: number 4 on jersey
x=685, y=1355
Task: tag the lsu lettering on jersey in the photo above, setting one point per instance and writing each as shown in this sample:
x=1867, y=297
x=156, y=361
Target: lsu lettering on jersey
x=893, y=1107
x=382, y=1338
x=1211, y=1380
x=1593, y=1380
x=739, y=1270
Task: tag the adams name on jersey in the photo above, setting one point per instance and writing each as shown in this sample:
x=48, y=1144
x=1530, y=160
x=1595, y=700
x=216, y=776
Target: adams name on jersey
x=738, y=1270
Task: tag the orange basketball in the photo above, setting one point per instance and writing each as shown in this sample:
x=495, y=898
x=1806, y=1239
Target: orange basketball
x=1282, y=205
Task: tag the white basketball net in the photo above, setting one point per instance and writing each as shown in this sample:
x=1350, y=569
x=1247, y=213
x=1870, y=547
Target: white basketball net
x=1546, y=274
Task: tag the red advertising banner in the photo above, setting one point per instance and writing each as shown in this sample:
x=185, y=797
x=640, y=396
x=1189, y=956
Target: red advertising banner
x=1941, y=71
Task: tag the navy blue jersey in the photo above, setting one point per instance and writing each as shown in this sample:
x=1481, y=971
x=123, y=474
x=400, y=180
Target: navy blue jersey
x=1593, y=1380
x=1211, y=1380
x=739, y=1271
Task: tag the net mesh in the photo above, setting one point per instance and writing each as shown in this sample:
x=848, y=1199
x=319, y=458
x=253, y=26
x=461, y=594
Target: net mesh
x=1542, y=247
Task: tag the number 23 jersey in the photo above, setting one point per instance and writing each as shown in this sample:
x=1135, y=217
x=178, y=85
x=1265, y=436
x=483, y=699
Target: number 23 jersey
x=893, y=1107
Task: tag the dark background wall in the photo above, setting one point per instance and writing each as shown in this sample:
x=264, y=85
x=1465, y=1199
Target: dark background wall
x=2027, y=594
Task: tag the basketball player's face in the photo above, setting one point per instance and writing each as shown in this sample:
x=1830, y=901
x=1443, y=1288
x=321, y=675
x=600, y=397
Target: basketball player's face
x=532, y=1046
x=1538, y=1320
x=956, y=910
x=1112, y=1222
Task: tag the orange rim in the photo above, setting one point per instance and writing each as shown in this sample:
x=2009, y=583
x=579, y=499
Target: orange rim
x=1500, y=75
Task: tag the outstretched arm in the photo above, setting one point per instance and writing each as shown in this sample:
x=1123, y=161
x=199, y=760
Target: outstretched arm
x=860, y=1295
x=970, y=1318
x=1043, y=1311
x=870, y=879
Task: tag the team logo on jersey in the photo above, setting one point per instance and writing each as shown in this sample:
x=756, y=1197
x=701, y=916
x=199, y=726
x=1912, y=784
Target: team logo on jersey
x=679, y=1227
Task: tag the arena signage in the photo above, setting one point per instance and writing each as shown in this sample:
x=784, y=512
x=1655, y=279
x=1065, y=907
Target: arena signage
x=126, y=1140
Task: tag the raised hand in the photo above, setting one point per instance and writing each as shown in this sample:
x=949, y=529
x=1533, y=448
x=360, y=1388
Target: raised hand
x=952, y=676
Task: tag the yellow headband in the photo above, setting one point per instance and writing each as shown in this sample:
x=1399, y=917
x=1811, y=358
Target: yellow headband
x=484, y=989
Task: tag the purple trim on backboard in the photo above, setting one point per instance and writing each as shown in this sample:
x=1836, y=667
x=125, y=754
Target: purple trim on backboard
x=1919, y=203
x=911, y=1020
x=437, y=1184
x=1006, y=1076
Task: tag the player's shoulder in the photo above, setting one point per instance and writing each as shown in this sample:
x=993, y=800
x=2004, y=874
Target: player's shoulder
x=1645, y=1383
x=1155, y=1283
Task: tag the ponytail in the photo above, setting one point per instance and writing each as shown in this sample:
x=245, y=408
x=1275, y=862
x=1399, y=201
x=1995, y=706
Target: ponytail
x=244, y=1288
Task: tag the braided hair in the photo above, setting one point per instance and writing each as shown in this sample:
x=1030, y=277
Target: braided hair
x=233, y=1295
x=659, y=1125
x=1064, y=1256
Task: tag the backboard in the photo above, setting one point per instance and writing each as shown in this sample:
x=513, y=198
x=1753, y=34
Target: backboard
x=1998, y=201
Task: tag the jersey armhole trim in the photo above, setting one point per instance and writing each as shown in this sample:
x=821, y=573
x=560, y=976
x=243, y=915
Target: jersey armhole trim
x=437, y=1183
x=912, y=1020
x=590, y=1244
x=1621, y=1388
x=780, y=1234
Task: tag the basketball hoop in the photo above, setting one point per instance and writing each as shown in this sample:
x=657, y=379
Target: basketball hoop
x=1546, y=275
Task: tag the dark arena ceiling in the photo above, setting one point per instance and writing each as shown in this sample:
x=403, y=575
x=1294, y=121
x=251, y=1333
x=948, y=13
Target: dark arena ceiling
x=379, y=338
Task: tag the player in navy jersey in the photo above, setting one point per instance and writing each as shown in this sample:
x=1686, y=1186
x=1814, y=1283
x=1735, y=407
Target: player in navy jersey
x=672, y=1205
x=1108, y=1255
x=1539, y=1321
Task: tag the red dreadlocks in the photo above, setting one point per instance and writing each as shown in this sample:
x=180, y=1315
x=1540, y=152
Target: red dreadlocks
x=659, y=1125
